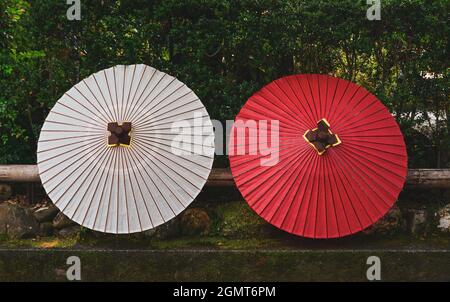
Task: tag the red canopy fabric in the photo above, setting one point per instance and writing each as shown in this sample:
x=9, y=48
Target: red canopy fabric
x=316, y=186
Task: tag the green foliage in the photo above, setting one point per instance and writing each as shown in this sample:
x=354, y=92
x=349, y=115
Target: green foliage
x=225, y=51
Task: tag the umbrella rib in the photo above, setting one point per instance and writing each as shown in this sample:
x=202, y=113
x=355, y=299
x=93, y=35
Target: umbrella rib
x=125, y=164
x=133, y=113
x=363, y=179
x=290, y=120
x=97, y=145
x=384, y=159
x=306, y=169
x=312, y=96
x=308, y=80
x=69, y=124
x=130, y=108
x=305, y=98
x=151, y=143
x=324, y=200
x=132, y=154
x=64, y=138
x=96, y=122
x=342, y=112
x=155, y=141
x=316, y=203
x=350, y=143
x=80, y=186
x=147, y=130
x=253, y=102
x=122, y=116
x=88, y=144
x=295, y=141
x=150, y=116
x=332, y=114
x=167, y=186
x=328, y=160
x=103, y=97
x=106, y=116
x=287, y=160
x=173, y=101
x=119, y=167
x=167, y=202
x=258, y=157
x=117, y=97
x=304, y=160
x=325, y=103
x=349, y=201
x=48, y=130
x=145, y=148
x=116, y=116
x=355, y=124
x=177, y=114
x=333, y=98
x=327, y=167
x=382, y=135
x=151, y=155
x=369, y=199
x=112, y=159
x=133, y=105
x=144, y=136
x=105, y=159
x=94, y=195
x=151, y=105
x=373, y=129
x=174, y=133
x=59, y=183
x=275, y=175
x=139, y=114
x=380, y=111
x=318, y=95
x=338, y=164
x=346, y=119
x=296, y=164
x=301, y=122
x=147, y=138
x=119, y=108
x=186, y=119
x=99, y=115
x=304, y=110
x=309, y=198
x=75, y=118
x=111, y=189
x=140, y=190
x=62, y=146
x=288, y=131
x=348, y=154
x=129, y=90
x=348, y=139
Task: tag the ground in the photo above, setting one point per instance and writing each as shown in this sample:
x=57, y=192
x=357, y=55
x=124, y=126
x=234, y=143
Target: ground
x=230, y=242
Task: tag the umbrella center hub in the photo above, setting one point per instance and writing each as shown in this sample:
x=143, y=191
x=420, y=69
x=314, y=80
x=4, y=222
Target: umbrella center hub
x=120, y=134
x=321, y=138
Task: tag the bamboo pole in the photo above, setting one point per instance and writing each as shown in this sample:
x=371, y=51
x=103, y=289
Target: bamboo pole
x=417, y=178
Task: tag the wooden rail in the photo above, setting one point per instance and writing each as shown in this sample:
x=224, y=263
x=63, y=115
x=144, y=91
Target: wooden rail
x=420, y=178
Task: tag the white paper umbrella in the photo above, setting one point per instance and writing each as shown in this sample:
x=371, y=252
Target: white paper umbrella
x=126, y=149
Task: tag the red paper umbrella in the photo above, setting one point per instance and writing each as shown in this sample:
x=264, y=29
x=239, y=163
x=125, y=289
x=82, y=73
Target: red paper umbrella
x=317, y=156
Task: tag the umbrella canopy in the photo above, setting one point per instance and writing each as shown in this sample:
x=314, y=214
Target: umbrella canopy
x=331, y=162
x=126, y=149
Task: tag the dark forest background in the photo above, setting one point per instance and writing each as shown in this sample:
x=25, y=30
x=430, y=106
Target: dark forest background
x=225, y=51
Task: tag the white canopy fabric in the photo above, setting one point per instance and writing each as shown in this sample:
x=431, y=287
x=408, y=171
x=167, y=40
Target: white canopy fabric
x=126, y=188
